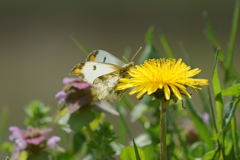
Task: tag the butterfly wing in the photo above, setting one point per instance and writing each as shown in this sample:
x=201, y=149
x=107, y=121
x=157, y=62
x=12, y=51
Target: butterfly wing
x=103, y=70
x=105, y=86
x=104, y=57
x=89, y=71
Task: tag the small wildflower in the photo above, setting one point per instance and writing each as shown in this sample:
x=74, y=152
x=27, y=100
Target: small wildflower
x=76, y=94
x=190, y=132
x=166, y=75
x=33, y=140
x=206, y=118
x=79, y=94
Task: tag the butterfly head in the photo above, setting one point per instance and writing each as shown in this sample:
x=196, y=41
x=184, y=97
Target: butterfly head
x=126, y=68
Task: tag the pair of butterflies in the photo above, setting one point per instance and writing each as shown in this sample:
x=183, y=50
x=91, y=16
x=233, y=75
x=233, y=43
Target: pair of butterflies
x=103, y=71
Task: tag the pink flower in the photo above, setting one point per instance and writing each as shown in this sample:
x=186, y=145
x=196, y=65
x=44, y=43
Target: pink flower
x=206, y=118
x=77, y=94
x=33, y=140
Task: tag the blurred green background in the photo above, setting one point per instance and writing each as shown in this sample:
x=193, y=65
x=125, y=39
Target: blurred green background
x=36, y=50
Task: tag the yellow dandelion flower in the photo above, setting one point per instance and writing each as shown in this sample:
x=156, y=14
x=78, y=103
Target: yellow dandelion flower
x=167, y=75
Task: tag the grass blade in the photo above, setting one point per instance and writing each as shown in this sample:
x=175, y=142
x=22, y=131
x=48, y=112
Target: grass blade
x=211, y=37
x=150, y=51
x=136, y=151
x=212, y=111
x=165, y=45
x=217, y=95
x=219, y=103
x=178, y=133
x=189, y=62
x=214, y=42
x=85, y=50
x=124, y=123
x=186, y=55
x=233, y=34
x=230, y=110
x=211, y=155
x=234, y=137
x=228, y=69
x=204, y=132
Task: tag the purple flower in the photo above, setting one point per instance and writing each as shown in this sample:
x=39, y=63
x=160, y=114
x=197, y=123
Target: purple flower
x=78, y=94
x=190, y=132
x=32, y=140
x=206, y=118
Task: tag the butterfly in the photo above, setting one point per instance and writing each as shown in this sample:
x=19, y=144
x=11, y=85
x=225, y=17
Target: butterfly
x=103, y=71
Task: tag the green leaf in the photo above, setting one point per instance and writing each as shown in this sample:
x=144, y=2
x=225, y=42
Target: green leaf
x=97, y=121
x=100, y=141
x=78, y=140
x=7, y=147
x=217, y=136
x=217, y=93
x=229, y=113
x=211, y=154
x=23, y=155
x=128, y=153
x=228, y=144
x=65, y=156
x=37, y=114
x=233, y=90
x=79, y=119
x=198, y=149
x=40, y=156
x=149, y=151
x=202, y=128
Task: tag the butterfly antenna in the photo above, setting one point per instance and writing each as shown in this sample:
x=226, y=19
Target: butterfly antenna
x=136, y=53
x=125, y=59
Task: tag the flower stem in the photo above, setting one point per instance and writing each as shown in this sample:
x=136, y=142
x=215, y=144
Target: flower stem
x=163, y=126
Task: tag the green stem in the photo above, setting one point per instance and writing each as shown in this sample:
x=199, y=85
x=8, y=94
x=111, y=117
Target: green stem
x=163, y=126
x=234, y=136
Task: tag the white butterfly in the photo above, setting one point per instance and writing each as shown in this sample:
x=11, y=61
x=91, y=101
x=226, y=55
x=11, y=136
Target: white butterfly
x=103, y=70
